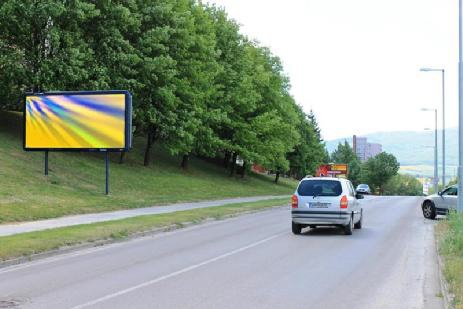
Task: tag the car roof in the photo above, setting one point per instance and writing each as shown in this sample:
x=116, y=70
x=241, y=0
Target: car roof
x=324, y=178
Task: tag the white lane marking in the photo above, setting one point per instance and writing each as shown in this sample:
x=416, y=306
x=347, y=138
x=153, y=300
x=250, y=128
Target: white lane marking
x=176, y=273
x=49, y=260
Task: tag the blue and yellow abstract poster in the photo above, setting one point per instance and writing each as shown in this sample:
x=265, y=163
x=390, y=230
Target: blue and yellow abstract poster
x=76, y=121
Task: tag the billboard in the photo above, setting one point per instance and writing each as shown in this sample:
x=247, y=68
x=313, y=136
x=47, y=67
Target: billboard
x=333, y=170
x=78, y=121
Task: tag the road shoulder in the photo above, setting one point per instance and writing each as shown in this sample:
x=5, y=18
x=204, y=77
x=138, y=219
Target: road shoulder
x=25, y=247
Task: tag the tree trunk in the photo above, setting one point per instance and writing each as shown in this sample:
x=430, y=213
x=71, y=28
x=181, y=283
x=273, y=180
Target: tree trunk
x=233, y=164
x=226, y=159
x=149, y=144
x=36, y=51
x=243, y=171
x=185, y=161
x=121, y=158
x=277, y=176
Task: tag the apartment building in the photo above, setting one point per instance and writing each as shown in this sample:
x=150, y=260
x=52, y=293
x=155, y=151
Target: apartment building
x=365, y=150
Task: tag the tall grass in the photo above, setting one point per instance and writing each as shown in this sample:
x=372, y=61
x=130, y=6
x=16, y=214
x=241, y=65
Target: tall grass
x=451, y=248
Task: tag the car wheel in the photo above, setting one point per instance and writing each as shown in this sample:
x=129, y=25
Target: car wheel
x=429, y=211
x=296, y=228
x=349, y=228
x=358, y=225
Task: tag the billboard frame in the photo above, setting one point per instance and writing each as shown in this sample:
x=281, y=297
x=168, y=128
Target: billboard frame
x=127, y=129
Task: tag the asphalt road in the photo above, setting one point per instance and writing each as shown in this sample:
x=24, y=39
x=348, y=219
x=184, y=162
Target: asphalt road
x=253, y=261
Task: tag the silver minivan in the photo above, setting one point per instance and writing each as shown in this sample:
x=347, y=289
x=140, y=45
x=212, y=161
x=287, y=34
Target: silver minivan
x=324, y=201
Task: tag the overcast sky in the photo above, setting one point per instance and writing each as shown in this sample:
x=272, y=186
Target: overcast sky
x=356, y=63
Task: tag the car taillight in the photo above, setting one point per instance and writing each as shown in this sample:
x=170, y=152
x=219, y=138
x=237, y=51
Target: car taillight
x=344, y=202
x=294, y=201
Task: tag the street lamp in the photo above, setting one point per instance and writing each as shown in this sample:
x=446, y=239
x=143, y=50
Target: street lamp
x=425, y=146
x=443, y=117
x=436, y=179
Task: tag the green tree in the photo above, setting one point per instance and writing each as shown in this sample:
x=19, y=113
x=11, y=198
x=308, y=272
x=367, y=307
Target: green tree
x=199, y=86
x=403, y=185
x=345, y=154
x=178, y=70
x=377, y=171
x=224, y=106
x=42, y=47
x=196, y=58
x=275, y=118
x=252, y=110
x=309, y=153
x=111, y=35
x=313, y=121
x=157, y=105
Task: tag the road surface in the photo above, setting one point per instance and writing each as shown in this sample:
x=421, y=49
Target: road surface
x=253, y=261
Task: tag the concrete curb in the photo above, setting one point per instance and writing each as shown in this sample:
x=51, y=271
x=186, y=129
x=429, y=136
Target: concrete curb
x=448, y=297
x=89, y=245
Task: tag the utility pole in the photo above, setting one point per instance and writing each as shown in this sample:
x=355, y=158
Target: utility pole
x=460, y=112
x=436, y=176
x=443, y=128
x=443, y=117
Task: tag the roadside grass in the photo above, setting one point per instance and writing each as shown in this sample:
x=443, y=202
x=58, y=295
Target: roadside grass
x=27, y=244
x=75, y=184
x=450, y=236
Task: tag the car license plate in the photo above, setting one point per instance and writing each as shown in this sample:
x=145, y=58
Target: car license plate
x=318, y=205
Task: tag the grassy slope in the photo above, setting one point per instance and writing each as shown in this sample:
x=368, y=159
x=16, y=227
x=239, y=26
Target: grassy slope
x=76, y=181
x=450, y=235
x=37, y=242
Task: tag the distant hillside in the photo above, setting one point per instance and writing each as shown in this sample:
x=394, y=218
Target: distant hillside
x=410, y=147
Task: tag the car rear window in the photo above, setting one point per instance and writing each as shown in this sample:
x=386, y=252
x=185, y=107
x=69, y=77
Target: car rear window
x=319, y=188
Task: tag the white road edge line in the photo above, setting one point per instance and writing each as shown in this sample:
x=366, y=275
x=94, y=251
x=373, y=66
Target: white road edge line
x=176, y=273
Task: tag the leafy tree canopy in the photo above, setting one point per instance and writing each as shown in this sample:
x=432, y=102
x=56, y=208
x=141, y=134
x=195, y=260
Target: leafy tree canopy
x=403, y=185
x=377, y=171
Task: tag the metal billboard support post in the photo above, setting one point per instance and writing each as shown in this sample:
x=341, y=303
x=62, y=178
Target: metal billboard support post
x=46, y=163
x=107, y=172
